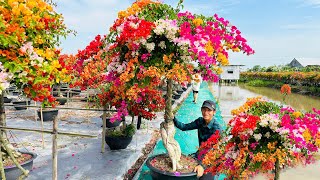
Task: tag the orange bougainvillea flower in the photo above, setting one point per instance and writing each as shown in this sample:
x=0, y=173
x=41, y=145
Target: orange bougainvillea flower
x=285, y=89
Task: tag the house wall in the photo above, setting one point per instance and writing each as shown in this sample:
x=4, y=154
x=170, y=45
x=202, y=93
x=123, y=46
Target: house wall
x=230, y=73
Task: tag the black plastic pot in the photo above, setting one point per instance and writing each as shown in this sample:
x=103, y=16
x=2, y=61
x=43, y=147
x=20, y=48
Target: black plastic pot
x=110, y=124
x=116, y=143
x=177, y=96
x=48, y=115
x=61, y=100
x=12, y=173
x=6, y=100
x=158, y=174
x=20, y=104
x=179, y=91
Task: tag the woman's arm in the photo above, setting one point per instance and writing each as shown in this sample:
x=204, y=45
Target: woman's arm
x=185, y=127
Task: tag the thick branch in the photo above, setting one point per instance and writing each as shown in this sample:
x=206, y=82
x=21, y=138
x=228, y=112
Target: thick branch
x=9, y=151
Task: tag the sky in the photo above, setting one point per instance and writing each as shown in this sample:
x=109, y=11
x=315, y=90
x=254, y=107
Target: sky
x=278, y=30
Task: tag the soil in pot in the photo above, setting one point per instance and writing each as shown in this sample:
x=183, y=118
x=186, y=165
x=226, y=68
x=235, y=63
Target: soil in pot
x=26, y=161
x=48, y=115
x=161, y=167
x=20, y=104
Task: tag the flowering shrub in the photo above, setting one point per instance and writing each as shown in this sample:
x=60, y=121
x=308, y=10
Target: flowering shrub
x=29, y=32
x=261, y=135
x=151, y=42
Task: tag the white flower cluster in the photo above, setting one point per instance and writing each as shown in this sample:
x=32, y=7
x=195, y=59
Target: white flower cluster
x=4, y=78
x=168, y=28
x=35, y=59
x=115, y=65
x=271, y=120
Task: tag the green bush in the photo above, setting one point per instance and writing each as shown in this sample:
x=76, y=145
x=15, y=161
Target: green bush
x=129, y=131
x=261, y=108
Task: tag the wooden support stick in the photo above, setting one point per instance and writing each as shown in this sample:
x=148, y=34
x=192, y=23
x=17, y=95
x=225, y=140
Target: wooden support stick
x=41, y=118
x=54, y=150
x=104, y=121
x=46, y=131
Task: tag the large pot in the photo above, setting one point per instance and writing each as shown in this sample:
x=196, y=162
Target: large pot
x=119, y=142
x=12, y=172
x=48, y=114
x=20, y=104
x=158, y=174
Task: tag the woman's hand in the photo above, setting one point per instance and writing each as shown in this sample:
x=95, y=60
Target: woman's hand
x=199, y=170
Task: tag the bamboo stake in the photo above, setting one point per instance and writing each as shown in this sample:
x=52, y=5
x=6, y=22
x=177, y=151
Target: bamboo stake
x=2, y=123
x=54, y=150
x=47, y=132
x=35, y=112
x=41, y=118
x=3, y=176
x=104, y=121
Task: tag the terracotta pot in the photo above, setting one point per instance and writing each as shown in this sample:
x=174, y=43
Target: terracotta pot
x=13, y=172
x=48, y=114
x=158, y=174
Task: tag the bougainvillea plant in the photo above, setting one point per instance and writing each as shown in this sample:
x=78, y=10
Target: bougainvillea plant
x=150, y=45
x=29, y=34
x=151, y=41
x=263, y=137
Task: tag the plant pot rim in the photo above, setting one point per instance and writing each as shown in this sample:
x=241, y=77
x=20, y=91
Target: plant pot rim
x=43, y=110
x=34, y=155
x=119, y=136
x=15, y=101
x=166, y=172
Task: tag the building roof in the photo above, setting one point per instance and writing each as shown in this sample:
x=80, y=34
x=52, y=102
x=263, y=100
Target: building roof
x=307, y=61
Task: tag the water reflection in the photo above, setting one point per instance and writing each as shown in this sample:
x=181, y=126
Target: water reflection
x=231, y=97
x=297, y=101
x=228, y=93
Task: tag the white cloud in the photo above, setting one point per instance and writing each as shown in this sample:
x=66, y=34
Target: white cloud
x=302, y=26
x=314, y=3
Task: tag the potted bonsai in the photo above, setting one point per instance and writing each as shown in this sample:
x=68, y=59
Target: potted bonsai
x=151, y=42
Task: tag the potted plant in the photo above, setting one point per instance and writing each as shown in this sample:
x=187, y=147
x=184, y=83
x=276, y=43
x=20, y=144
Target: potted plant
x=21, y=103
x=33, y=65
x=46, y=113
x=263, y=137
x=120, y=137
x=150, y=43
